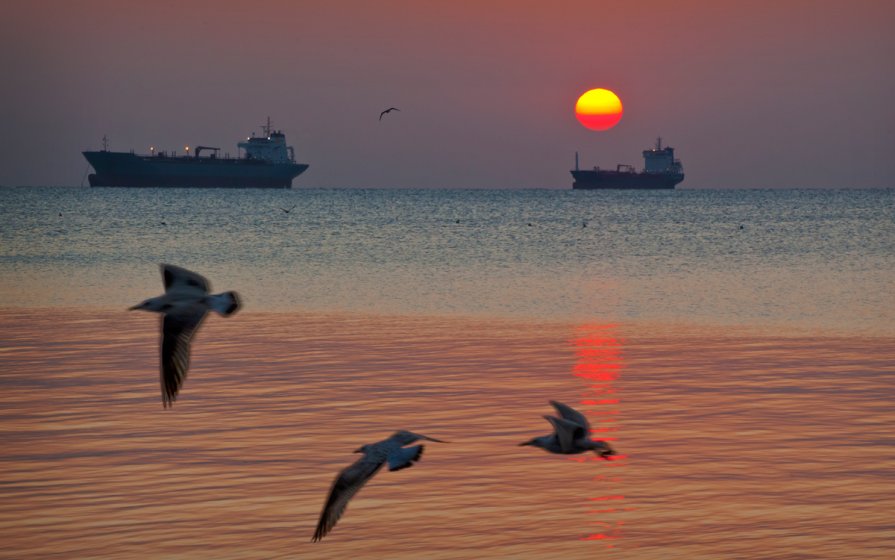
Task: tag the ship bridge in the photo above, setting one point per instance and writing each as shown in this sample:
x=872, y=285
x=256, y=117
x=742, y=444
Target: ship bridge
x=661, y=160
x=270, y=148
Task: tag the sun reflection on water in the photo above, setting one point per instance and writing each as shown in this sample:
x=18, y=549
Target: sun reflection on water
x=599, y=363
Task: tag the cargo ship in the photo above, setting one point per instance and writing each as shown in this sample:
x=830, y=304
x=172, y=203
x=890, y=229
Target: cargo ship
x=262, y=162
x=661, y=171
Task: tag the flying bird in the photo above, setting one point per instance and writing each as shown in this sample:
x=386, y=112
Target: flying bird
x=290, y=210
x=571, y=434
x=353, y=478
x=389, y=110
x=185, y=303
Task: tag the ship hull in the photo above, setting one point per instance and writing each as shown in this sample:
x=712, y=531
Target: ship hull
x=119, y=169
x=599, y=179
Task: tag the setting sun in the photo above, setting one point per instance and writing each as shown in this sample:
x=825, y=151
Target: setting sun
x=599, y=109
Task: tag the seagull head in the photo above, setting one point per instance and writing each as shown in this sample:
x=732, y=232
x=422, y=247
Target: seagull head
x=535, y=441
x=152, y=304
x=405, y=438
x=603, y=449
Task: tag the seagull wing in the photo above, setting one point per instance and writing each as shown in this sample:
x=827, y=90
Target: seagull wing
x=178, y=329
x=404, y=457
x=181, y=279
x=570, y=414
x=346, y=485
x=566, y=432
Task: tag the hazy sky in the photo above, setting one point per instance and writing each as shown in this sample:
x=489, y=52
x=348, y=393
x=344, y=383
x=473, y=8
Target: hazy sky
x=781, y=93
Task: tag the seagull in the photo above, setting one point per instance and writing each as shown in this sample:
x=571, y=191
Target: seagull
x=290, y=210
x=184, y=304
x=571, y=434
x=389, y=110
x=353, y=478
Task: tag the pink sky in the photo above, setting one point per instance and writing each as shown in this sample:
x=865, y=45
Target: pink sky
x=784, y=93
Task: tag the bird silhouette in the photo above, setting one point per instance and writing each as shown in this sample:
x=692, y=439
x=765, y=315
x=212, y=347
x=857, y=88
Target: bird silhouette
x=571, y=434
x=183, y=306
x=353, y=477
x=290, y=210
x=389, y=110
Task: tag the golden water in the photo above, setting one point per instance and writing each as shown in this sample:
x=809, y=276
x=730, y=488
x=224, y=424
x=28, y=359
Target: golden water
x=733, y=445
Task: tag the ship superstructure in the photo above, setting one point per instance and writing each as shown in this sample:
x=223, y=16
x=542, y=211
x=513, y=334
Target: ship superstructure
x=661, y=171
x=262, y=162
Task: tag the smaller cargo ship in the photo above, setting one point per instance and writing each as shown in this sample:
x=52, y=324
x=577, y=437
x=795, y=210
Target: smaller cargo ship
x=263, y=162
x=661, y=171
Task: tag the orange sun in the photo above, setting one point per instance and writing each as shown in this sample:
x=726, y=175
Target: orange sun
x=599, y=109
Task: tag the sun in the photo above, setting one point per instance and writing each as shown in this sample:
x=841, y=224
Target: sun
x=599, y=109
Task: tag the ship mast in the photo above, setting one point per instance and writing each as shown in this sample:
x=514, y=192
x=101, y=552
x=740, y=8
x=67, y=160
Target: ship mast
x=105, y=143
x=267, y=127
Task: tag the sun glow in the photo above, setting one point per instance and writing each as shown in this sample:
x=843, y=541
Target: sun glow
x=599, y=109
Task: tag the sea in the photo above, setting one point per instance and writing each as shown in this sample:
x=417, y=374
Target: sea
x=736, y=348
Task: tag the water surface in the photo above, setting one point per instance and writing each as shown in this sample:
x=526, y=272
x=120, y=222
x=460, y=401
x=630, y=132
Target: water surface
x=736, y=347
x=796, y=258
x=733, y=445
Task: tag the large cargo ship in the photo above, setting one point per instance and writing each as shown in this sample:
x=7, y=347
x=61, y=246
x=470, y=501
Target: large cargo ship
x=265, y=162
x=661, y=171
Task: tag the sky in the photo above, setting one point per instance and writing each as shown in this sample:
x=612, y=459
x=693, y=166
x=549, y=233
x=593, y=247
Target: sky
x=758, y=94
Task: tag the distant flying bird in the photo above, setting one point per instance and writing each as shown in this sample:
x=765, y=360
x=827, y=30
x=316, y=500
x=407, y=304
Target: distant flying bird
x=353, y=478
x=389, y=110
x=184, y=305
x=290, y=210
x=571, y=434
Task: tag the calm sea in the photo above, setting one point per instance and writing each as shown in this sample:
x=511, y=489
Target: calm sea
x=794, y=258
x=736, y=347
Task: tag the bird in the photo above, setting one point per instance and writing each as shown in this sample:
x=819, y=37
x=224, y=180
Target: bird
x=390, y=450
x=571, y=434
x=290, y=210
x=389, y=110
x=185, y=303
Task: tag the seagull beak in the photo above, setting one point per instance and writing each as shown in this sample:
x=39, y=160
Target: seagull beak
x=135, y=307
x=433, y=439
x=524, y=443
x=358, y=450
